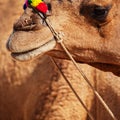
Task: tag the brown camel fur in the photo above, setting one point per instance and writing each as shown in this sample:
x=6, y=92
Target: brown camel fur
x=90, y=38
x=91, y=34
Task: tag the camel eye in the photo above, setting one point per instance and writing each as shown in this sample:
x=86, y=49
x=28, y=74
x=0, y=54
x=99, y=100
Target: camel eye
x=100, y=13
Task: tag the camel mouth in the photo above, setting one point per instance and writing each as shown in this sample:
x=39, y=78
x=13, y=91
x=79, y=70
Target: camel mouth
x=39, y=51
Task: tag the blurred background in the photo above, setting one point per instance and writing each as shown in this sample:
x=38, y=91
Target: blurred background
x=17, y=79
x=14, y=75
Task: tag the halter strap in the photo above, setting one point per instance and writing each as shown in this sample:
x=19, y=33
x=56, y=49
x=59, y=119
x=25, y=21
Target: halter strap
x=60, y=41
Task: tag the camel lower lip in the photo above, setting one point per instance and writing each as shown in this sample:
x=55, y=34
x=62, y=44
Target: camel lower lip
x=28, y=55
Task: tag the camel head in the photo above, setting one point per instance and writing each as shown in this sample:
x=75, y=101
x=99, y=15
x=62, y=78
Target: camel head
x=91, y=31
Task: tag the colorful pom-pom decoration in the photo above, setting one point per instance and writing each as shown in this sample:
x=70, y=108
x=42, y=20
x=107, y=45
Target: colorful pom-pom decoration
x=40, y=5
x=35, y=3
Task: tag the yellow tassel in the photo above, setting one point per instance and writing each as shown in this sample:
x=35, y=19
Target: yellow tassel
x=36, y=2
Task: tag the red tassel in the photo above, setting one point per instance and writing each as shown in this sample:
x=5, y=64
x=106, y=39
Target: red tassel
x=42, y=7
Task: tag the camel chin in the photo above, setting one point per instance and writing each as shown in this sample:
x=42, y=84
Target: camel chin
x=28, y=55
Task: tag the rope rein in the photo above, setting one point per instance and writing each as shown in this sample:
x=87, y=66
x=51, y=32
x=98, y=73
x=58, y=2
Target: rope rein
x=60, y=41
x=73, y=90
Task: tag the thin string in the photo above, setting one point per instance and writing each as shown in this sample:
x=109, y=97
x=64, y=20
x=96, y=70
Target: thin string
x=81, y=72
x=73, y=90
x=59, y=40
x=86, y=79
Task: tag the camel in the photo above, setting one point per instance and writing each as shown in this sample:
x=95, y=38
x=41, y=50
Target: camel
x=91, y=34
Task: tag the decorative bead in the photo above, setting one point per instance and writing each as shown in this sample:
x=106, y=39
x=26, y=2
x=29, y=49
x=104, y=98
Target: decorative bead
x=42, y=7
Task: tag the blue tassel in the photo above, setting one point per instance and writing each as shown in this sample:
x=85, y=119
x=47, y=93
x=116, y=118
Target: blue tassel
x=24, y=6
